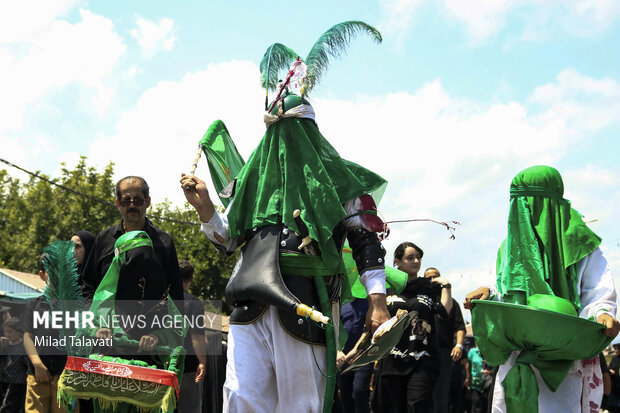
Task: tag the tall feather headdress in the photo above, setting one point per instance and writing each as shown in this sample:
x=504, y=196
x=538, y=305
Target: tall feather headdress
x=331, y=44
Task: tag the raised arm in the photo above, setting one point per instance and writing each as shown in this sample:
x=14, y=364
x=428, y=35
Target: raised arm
x=197, y=195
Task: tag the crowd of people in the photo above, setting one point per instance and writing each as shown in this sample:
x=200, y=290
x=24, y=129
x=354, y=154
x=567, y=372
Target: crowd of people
x=291, y=208
x=434, y=367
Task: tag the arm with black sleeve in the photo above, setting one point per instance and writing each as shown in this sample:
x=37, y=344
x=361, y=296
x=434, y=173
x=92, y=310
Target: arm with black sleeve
x=369, y=256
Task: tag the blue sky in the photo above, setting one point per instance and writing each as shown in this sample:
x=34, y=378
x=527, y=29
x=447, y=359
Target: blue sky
x=457, y=99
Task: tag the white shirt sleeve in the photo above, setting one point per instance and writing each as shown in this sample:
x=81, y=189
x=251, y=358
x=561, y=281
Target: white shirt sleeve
x=373, y=280
x=596, y=286
x=218, y=224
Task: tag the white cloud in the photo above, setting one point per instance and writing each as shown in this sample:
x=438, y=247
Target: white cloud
x=592, y=190
x=447, y=158
x=482, y=18
x=157, y=139
x=560, y=18
x=65, y=54
x=153, y=37
x=583, y=103
x=24, y=20
x=397, y=18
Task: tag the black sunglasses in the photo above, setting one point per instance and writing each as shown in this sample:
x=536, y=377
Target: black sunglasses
x=125, y=202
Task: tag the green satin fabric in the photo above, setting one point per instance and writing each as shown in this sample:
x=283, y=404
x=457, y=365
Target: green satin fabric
x=106, y=291
x=547, y=340
x=546, y=236
x=222, y=155
x=294, y=167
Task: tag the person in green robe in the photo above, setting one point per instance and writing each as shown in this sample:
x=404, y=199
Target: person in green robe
x=290, y=208
x=550, y=260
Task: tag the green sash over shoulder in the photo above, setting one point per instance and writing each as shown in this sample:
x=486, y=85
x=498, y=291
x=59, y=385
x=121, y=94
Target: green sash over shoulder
x=125, y=393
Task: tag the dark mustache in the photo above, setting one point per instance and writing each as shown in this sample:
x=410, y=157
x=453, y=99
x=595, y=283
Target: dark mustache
x=132, y=210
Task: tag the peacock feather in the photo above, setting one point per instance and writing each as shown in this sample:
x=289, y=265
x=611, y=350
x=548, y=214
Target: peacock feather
x=331, y=44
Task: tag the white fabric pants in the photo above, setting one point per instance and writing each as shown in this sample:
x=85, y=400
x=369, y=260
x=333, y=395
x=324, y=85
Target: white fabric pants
x=570, y=396
x=270, y=371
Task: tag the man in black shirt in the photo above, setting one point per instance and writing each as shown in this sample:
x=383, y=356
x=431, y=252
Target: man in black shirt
x=132, y=201
x=449, y=351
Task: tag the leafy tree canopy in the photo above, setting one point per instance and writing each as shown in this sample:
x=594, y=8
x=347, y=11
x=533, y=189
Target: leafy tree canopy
x=35, y=213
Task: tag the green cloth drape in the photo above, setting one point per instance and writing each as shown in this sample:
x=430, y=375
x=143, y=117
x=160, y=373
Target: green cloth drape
x=294, y=167
x=548, y=340
x=546, y=236
x=394, y=278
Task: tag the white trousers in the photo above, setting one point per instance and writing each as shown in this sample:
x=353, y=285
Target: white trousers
x=581, y=390
x=270, y=371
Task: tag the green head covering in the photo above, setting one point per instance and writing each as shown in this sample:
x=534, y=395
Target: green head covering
x=546, y=236
x=295, y=167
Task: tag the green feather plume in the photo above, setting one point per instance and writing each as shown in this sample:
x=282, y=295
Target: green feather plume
x=62, y=290
x=333, y=43
x=276, y=58
x=62, y=282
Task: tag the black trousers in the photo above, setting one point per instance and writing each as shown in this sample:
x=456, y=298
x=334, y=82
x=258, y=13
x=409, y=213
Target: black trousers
x=14, y=398
x=354, y=389
x=478, y=402
x=408, y=394
x=441, y=393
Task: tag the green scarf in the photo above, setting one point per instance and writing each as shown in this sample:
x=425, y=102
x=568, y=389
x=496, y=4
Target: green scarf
x=545, y=238
x=141, y=396
x=294, y=167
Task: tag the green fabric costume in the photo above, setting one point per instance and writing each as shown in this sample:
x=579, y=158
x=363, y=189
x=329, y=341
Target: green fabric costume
x=294, y=167
x=546, y=238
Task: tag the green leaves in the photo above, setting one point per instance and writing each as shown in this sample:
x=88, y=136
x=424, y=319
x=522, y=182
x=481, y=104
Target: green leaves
x=35, y=213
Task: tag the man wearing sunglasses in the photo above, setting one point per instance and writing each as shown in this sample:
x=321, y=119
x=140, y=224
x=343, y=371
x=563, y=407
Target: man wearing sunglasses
x=132, y=201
